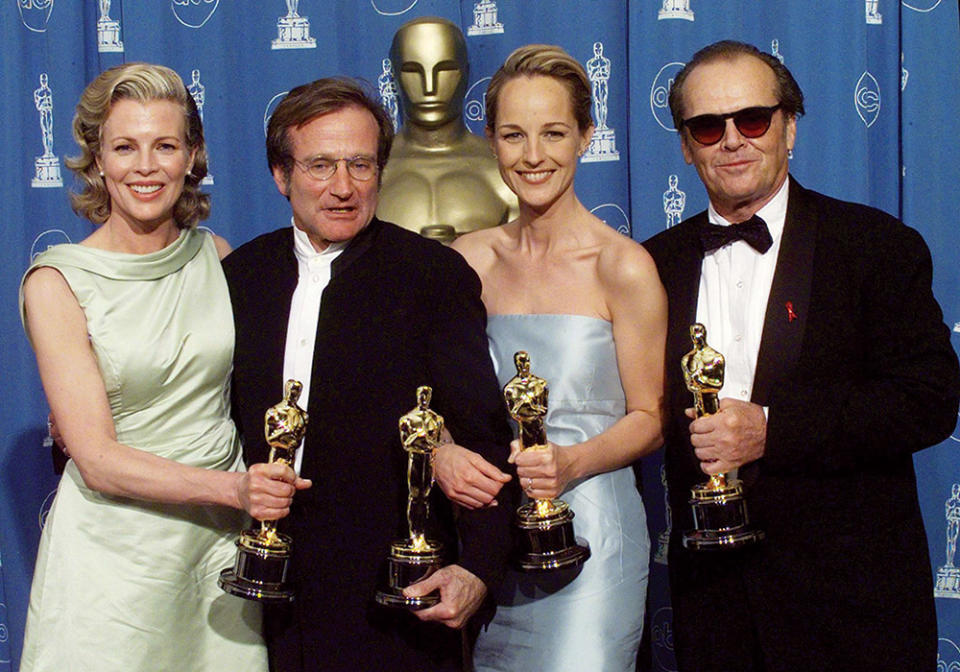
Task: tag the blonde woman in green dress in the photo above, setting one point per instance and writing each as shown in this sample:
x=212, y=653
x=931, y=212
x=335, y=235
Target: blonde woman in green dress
x=133, y=334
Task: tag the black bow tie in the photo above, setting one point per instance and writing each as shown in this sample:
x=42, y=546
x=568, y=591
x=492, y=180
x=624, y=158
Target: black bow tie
x=753, y=231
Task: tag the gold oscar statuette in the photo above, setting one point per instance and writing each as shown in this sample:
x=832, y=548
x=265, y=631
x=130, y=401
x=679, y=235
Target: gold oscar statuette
x=719, y=508
x=260, y=570
x=416, y=557
x=547, y=541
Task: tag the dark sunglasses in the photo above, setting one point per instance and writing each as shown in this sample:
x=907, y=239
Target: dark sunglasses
x=751, y=122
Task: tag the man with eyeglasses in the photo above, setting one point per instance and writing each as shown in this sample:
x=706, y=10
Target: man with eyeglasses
x=363, y=313
x=838, y=368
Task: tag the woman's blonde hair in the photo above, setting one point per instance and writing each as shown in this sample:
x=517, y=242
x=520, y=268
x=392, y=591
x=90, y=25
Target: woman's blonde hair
x=543, y=60
x=142, y=82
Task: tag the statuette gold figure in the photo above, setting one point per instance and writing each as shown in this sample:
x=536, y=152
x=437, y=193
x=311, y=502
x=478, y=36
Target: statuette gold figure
x=420, y=431
x=703, y=369
x=284, y=427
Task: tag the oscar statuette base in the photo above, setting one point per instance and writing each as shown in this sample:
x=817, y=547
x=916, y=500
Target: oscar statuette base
x=720, y=518
x=948, y=582
x=407, y=565
x=547, y=541
x=260, y=571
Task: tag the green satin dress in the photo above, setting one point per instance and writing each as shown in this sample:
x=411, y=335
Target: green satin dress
x=127, y=585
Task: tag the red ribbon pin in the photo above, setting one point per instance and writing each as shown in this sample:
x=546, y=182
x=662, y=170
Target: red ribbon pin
x=791, y=316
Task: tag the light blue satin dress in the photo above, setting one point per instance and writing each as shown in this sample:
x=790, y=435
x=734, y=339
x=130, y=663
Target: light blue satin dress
x=592, y=618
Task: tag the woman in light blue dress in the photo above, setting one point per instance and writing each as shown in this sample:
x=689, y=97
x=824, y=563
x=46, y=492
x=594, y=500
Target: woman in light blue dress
x=586, y=303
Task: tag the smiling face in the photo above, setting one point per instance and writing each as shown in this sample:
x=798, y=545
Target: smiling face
x=432, y=73
x=741, y=174
x=144, y=158
x=338, y=208
x=537, y=142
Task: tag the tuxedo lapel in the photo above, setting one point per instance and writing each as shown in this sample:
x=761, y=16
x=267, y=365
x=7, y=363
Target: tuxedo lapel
x=279, y=279
x=692, y=262
x=679, y=257
x=262, y=276
x=684, y=287
x=334, y=323
x=789, y=302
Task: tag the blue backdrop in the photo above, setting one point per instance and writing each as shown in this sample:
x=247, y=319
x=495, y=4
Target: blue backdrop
x=881, y=79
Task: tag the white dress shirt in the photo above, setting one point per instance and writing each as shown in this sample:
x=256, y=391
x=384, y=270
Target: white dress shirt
x=313, y=275
x=735, y=285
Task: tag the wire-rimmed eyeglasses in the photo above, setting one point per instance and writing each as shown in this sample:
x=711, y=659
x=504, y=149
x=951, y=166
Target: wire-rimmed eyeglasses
x=322, y=168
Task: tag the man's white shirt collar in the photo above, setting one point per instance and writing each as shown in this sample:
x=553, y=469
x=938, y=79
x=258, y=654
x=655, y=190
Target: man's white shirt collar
x=305, y=250
x=314, y=270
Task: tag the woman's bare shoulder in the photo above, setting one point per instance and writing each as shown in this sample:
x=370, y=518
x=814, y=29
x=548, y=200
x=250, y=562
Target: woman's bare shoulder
x=480, y=247
x=623, y=262
x=223, y=247
x=45, y=283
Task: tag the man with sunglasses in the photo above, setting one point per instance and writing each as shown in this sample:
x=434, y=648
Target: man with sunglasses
x=363, y=313
x=838, y=368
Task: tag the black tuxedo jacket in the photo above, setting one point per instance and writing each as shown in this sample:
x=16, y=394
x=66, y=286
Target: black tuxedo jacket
x=399, y=312
x=857, y=370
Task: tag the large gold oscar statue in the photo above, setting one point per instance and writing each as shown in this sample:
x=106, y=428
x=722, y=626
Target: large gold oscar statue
x=442, y=180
